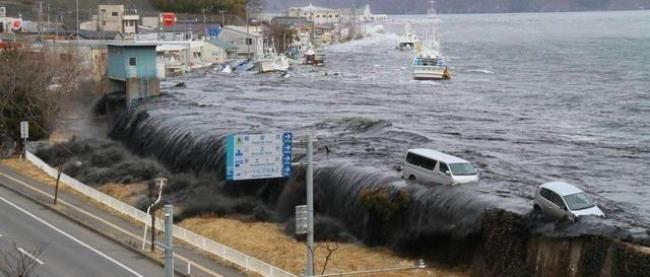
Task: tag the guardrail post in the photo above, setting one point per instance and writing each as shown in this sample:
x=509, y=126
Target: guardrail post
x=56, y=187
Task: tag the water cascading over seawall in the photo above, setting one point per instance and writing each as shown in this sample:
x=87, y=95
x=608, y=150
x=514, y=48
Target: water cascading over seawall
x=458, y=225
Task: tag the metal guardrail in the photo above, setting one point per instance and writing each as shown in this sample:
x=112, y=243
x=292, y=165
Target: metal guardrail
x=198, y=241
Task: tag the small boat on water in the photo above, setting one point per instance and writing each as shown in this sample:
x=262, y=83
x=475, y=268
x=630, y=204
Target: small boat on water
x=315, y=56
x=408, y=40
x=271, y=61
x=429, y=64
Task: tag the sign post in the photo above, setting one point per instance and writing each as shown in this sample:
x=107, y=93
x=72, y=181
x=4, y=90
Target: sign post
x=24, y=134
x=258, y=156
x=309, y=270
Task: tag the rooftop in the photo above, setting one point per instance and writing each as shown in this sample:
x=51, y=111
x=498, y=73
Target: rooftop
x=132, y=44
x=439, y=156
x=311, y=7
x=562, y=188
x=225, y=45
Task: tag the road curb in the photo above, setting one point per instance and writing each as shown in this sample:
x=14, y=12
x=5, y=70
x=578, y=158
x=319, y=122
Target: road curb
x=85, y=225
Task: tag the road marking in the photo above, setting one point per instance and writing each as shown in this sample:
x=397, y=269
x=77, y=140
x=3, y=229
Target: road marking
x=71, y=237
x=114, y=226
x=30, y=255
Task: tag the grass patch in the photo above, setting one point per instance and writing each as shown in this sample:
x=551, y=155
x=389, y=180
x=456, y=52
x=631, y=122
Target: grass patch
x=267, y=242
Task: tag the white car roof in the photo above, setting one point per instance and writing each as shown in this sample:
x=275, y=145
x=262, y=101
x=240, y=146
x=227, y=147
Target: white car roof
x=561, y=188
x=438, y=156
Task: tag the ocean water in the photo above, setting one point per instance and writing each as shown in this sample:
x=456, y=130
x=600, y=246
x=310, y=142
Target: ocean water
x=533, y=98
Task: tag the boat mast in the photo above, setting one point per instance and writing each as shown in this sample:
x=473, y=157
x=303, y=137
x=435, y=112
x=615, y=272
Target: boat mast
x=432, y=35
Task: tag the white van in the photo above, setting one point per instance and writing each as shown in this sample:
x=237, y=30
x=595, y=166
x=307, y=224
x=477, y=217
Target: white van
x=430, y=166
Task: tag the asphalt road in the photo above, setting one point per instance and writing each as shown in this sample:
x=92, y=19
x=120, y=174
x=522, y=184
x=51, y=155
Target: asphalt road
x=67, y=249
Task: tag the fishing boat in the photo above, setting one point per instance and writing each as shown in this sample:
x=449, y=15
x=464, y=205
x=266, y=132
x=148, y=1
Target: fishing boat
x=271, y=61
x=315, y=56
x=429, y=63
x=430, y=66
x=408, y=40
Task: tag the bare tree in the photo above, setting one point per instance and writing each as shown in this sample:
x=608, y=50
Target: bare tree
x=35, y=86
x=331, y=247
x=17, y=263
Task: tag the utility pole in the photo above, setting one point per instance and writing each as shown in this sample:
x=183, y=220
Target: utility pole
x=309, y=271
x=76, y=4
x=223, y=19
x=205, y=27
x=169, y=237
x=40, y=21
x=249, y=41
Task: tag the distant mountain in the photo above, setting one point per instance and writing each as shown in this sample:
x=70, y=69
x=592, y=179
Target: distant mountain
x=469, y=6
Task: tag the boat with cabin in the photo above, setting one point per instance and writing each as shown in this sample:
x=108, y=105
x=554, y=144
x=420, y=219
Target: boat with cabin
x=408, y=40
x=429, y=63
x=271, y=61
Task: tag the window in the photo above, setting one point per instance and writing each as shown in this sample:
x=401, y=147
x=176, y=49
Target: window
x=114, y=13
x=557, y=200
x=443, y=168
x=132, y=61
x=428, y=163
x=249, y=41
x=420, y=161
x=578, y=201
x=461, y=169
x=553, y=197
x=545, y=193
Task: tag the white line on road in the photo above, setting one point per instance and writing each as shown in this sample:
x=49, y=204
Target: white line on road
x=71, y=237
x=112, y=225
x=30, y=255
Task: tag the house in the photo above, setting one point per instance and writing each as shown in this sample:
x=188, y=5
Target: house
x=113, y=18
x=218, y=51
x=363, y=14
x=316, y=14
x=132, y=68
x=291, y=22
x=249, y=41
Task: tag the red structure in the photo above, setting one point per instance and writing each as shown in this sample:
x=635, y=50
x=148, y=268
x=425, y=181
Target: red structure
x=168, y=19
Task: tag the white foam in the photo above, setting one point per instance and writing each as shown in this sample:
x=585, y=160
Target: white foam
x=484, y=71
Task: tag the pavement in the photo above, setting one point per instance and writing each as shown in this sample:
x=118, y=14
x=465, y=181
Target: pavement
x=65, y=249
x=106, y=232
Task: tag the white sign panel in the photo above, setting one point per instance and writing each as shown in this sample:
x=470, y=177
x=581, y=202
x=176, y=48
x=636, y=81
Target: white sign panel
x=258, y=156
x=3, y=12
x=24, y=130
x=301, y=220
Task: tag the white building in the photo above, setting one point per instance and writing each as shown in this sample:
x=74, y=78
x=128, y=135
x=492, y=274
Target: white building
x=113, y=18
x=316, y=14
x=248, y=42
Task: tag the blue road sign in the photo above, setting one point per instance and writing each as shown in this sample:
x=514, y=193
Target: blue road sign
x=258, y=156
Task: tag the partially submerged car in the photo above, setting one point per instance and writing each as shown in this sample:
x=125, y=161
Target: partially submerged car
x=564, y=200
x=430, y=166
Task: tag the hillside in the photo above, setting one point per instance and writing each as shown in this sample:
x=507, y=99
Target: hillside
x=29, y=8
x=471, y=6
